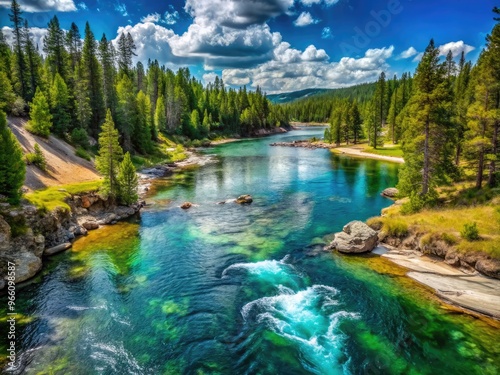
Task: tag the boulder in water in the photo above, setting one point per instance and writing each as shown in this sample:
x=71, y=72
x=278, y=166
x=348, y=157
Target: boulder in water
x=186, y=205
x=356, y=237
x=390, y=193
x=244, y=199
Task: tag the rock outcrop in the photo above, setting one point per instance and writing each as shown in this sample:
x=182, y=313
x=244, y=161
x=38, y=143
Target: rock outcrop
x=390, y=193
x=356, y=237
x=186, y=205
x=27, y=233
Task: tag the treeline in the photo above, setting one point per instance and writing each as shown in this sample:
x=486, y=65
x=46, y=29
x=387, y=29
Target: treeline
x=68, y=90
x=446, y=118
x=318, y=108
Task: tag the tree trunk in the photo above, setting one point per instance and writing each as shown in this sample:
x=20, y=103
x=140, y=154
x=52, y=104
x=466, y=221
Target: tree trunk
x=480, y=168
x=425, y=175
x=494, y=150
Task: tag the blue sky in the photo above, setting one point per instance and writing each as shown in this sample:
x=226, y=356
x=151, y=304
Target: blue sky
x=281, y=45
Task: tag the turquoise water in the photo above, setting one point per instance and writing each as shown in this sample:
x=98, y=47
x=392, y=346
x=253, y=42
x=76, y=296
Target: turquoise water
x=230, y=289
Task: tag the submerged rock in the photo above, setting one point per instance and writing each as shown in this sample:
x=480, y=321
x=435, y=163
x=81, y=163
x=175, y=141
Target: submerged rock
x=57, y=249
x=390, y=193
x=186, y=205
x=27, y=265
x=244, y=199
x=356, y=237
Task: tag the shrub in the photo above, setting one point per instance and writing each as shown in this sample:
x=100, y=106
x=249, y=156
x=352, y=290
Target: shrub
x=19, y=107
x=470, y=232
x=37, y=158
x=449, y=239
x=414, y=204
x=395, y=228
x=375, y=223
x=80, y=152
x=79, y=138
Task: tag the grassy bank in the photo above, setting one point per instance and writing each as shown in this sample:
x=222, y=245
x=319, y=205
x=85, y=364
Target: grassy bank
x=53, y=197
x=449, y=220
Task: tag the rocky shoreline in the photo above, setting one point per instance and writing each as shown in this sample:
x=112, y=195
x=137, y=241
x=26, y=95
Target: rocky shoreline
x=28, y=234
x=470, y=281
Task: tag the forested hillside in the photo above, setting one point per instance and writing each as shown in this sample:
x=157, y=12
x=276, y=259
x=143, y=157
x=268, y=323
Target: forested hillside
x=67, y=85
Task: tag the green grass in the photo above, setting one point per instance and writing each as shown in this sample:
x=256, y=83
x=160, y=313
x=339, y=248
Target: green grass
x=161, y=153
x=394, y=151
x=51, y=198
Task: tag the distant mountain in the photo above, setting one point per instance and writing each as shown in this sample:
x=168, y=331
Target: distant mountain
x=362, y=92
x=288, y=97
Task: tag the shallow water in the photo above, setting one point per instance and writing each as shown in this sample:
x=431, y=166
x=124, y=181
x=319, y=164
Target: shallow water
x=229, y=289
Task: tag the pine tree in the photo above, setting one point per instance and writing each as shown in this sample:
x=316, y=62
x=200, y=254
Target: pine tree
x=20, y=66
x=380, y=111
x=160, y=115
x=144, y=130
x=7, y=96
x=74, y=44
x=110, y=155
x=107, y=56
x=356, y=121
x=53, y=46
x=127, y=180
x=59, y=100
x=12, y=167
x=92, y=75
x=127, y=110
x=205, y=129
x=428, y=129
x=40, y=117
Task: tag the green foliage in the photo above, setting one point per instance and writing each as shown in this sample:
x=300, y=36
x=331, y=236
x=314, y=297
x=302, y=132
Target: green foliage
x=127, y=179
x=53, y=197
x=110, y=155
x=12, y=167
x=415, y=204
x=7, y=96
x=470, y=232
x=82, y=153
x=80, y=138
x=395, y=228
x=37, y=158
x=41, y=119
x=449, y=238
x=59, y=100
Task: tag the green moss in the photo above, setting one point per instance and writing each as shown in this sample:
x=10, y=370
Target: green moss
x=53, y=197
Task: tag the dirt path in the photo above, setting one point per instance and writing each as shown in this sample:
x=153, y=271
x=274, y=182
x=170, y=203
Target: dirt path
x=63, y=166
x=351, y=151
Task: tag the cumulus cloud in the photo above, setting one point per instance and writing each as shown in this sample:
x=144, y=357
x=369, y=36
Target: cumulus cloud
x=326, y=33
x=153, y=17
x=36, y=35
x=171, y=17
x=456, y=48
x=292, y=70
x=236, y=13
x=408, y=53
x=209, y=77
x=33, y=6
x=305, y=19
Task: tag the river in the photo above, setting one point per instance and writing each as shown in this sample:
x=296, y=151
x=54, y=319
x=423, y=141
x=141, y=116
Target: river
x=230, y=289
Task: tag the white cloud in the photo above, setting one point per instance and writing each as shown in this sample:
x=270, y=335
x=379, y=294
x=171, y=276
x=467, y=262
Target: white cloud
x=418, y=57
x=291, y=70
x=408, y=53
x=121, y=8
x=82, y=6
x=309, y=3
x=327, y=33
x=456, y=48
x=153, y=17
x=36, y=35
x=171, y=17
x=209, y=77
x=305, y=19
x=33, y=6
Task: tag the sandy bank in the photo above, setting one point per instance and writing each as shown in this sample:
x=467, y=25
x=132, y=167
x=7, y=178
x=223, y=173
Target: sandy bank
x=351, y=151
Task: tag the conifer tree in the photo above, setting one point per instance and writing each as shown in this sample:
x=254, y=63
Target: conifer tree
x=40, y=117
x=110, y=155
x=74, y=45
x=127, y=180
x=92, y=75
x=160, y=115
x=143, y=132
x=53, y=46
x=59, y=100
x=428, y=128
x=12, y=167
x=20, y=66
